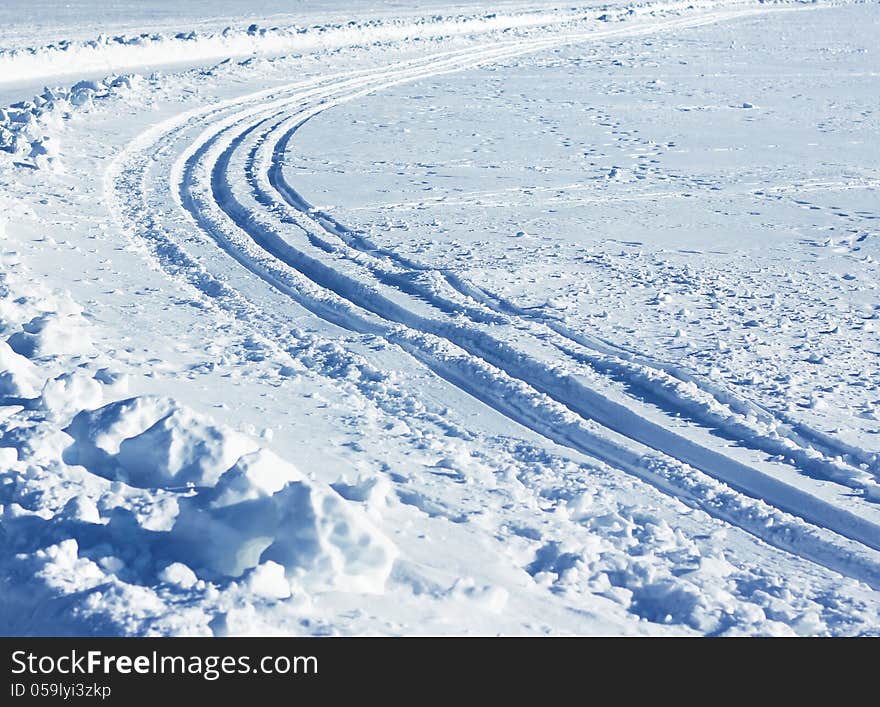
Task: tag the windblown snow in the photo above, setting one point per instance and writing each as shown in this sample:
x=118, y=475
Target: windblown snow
x=339, y=319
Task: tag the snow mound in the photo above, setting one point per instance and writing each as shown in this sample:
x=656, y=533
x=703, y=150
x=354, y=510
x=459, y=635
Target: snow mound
x=265, y=510
x=240, y=508
x=179, y=575
x=19, y=378
x=153, y=442
x=269, y=580
x=28, y=128
x=52, y=335
x=69, y=393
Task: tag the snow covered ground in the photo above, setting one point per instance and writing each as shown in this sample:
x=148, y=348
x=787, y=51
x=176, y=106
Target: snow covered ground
x=365, y=318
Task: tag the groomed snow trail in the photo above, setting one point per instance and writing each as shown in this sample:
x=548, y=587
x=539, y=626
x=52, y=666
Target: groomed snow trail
x=229, y=178
x=487, y=465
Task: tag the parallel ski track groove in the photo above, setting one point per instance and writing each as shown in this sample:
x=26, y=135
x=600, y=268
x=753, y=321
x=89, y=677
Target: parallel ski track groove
x=404, y=327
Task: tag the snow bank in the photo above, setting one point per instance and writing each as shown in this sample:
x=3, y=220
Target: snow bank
x=28, y=129
x=128, y=51
x=157, y=48
x=249, y=506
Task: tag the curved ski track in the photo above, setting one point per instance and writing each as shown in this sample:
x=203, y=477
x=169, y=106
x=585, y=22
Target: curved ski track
x=230, y=179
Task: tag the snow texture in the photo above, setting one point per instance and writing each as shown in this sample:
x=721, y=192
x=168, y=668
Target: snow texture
x=345, y=319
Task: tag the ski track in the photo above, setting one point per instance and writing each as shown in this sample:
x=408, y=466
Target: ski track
x=229, y=178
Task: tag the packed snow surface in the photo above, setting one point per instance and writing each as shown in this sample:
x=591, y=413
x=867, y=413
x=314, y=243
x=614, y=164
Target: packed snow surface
x=358, y=318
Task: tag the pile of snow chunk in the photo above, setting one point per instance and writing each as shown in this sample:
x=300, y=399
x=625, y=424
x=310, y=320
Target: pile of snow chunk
x=19, y=378
x=153, y=442
x=69, y=393
x=241, y=509
x=52, y=334
x=48, y=327
x=265, y=510
x=28, y=129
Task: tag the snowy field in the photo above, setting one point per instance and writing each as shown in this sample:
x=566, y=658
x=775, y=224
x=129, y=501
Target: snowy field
x=325, y=318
